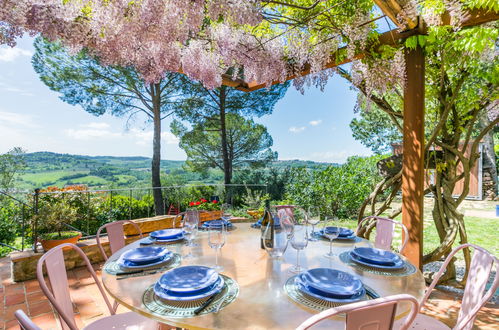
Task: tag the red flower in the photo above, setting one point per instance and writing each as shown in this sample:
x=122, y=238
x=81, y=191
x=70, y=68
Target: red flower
x=191, y=203
x=215, y=201
x=203, y=200
x=197, y=203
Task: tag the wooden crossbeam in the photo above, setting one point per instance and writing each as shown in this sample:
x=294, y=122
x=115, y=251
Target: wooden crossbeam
x=391, y=38
x=392, y=8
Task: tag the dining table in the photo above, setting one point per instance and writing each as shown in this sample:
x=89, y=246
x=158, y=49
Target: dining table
x=262, y=301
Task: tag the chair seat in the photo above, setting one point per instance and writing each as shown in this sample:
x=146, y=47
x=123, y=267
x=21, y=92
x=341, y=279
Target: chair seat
x=125, y=321
x=425, y=322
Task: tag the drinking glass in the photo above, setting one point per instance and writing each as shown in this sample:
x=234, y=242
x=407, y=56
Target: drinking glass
x=313, y=218
x=331, y=234
x=216, y=239
x=287, y=224
x=191, y=222
x=299, y=241
x=279, y=244
x=226, y=212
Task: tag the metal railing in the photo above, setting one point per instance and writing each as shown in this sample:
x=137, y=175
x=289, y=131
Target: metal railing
x=96, y=207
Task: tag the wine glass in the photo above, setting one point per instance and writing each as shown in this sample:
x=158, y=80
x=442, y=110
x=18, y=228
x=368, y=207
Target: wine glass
x=299, y=241
x=313, y=218
x=216, y=239
x=278, y=245
x=331, y=233
x=191, y=222
x=287, y=224
x=226, y=212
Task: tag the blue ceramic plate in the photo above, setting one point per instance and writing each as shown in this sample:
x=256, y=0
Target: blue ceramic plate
x=344, y=232
x=331, y=282
x=397, y=265
x=167, y=234
x=145, y=255
x=321, y=233
x=132, y=265
x=216, y=224
x=188, y=279
x=319, y=295
x=186, y=296
x=376, y=256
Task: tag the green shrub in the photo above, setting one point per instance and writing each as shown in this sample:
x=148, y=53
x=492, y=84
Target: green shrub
x=337, y=190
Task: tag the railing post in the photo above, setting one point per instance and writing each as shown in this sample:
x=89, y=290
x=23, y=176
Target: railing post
x=89, y=211
x=130, y=205
x=23, y=214
x=36, y=199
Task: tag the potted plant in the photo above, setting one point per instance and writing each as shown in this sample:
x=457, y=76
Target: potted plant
x=53, y=219
x=207, y=210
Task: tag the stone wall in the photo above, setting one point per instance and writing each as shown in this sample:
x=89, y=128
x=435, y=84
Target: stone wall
x=24, y=263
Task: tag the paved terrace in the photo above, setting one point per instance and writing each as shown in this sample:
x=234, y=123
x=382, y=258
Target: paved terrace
x=89, y=306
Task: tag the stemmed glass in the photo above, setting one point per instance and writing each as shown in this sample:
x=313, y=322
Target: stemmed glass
x=216, y=239
x=191, y=222
x=226, y=212
x=313, y=218
x=331, y=233
x=299, y=241
x=279, y=244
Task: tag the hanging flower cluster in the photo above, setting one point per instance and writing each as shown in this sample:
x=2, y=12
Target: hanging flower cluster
x=206, y=39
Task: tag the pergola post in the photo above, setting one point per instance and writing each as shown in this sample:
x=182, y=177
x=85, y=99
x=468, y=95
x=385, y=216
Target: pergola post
x=413, y=161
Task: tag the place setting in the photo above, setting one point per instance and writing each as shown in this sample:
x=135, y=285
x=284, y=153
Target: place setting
x=377, y=261
x=143, y=260
x=324, y=288
x=189, y=291
x=165, y=236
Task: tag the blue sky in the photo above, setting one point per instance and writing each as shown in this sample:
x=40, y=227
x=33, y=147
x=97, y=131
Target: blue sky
x=313, y=126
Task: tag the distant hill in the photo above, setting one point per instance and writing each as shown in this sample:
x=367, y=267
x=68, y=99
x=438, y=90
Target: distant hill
x=52, y=169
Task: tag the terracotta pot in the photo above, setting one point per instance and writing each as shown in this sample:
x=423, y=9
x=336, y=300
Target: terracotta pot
x=48, y=244
x=255, y=214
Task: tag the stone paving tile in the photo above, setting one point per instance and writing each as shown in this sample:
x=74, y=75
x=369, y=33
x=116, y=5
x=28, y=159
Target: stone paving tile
x=89, y=305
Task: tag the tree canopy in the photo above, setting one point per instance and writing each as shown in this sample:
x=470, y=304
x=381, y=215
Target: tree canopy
x=214, y=111
x=119, y=91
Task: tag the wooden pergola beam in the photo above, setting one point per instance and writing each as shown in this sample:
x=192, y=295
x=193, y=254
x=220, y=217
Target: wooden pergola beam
x=390, y=38
x=392, y=8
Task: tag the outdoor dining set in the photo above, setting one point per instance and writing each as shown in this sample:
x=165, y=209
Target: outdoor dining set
x=214, y=275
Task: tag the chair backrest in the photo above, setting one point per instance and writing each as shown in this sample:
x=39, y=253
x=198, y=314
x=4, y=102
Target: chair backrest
x=24, y=321
x=475, y=296
x=115, y=235
x=384, y=232
x=283, y=210
x=376, y=314
x=58, y=294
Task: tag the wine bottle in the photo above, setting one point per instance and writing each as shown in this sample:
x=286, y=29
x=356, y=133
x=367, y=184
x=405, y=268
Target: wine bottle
x=267, y=236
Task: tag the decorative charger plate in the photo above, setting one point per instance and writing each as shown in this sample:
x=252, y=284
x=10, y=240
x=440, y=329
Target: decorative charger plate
x=184, y=309
x=407, y=269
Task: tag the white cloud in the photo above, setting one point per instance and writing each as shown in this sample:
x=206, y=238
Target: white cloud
x=12, y=118
x=90, y=133
x=294, y=129
x=145, y=137
x=315, y=122
x=96, y=125
x=8, y=54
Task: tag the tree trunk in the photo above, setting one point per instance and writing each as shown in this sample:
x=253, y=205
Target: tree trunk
x=156, y=155
x=223, y=131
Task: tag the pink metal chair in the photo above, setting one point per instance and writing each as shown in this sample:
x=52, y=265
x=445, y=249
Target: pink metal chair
x=475, y=296
x=25, y=322
x=60, y=298
x=376, y=314
x=116, y=235
x=384, y=232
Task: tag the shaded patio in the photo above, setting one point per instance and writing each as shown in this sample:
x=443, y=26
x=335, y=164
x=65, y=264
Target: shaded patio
x=27, y=296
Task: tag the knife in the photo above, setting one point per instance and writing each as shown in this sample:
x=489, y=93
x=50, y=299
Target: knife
x=371, y=293
x=207, y=303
